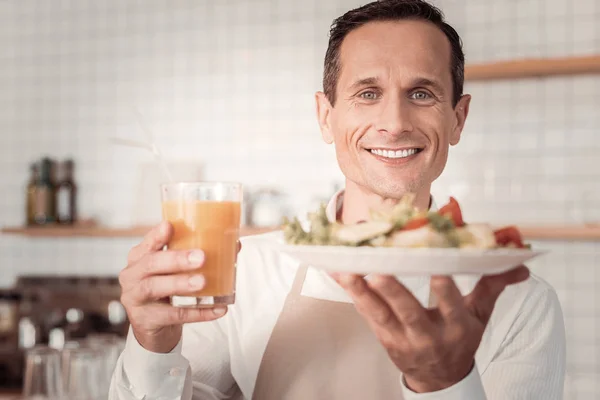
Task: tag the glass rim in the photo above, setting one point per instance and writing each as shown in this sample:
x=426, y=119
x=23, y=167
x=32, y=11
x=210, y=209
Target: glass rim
x=200, y=183
x=82, y=352
x=42, y=350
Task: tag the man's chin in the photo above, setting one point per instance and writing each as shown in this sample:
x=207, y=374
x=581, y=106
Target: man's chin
x=393, y=188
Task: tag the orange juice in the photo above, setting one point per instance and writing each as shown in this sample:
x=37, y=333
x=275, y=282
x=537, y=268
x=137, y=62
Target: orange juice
x=213, y=227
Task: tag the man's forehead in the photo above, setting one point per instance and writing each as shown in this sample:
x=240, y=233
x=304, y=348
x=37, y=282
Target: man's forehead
x=411, y=46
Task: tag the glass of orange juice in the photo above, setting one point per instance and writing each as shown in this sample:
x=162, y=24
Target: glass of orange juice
x=206, y=216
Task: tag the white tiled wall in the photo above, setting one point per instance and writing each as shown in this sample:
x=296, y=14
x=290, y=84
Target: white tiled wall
x=230, y=83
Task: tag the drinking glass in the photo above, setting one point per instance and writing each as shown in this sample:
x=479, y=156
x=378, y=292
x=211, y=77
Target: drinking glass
x=83, y=374
x=42, y=380
x=205, y=216
x=108, y=348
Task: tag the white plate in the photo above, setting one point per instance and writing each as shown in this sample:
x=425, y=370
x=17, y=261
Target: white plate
x=402, y=261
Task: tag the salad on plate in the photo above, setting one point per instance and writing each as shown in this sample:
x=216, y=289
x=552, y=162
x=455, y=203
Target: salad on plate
x=404, y=226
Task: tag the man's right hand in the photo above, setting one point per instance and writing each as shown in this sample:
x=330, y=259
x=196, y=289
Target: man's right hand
x=151, y=276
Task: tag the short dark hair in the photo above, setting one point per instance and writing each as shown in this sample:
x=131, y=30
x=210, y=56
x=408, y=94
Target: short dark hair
x=390, y=10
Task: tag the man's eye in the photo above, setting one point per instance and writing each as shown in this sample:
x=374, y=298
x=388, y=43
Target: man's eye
x=420, y=95
x=369, y=95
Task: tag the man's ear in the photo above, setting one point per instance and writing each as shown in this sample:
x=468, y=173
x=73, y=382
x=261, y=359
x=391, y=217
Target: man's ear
x=461, y=111
x=323, y=116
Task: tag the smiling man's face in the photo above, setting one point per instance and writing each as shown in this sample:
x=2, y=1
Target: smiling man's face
x=393, y=120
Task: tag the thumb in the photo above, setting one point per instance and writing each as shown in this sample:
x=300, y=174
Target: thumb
x=482, y=299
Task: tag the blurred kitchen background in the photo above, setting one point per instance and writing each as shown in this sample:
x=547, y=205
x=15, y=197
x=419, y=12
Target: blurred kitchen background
x=227, y=87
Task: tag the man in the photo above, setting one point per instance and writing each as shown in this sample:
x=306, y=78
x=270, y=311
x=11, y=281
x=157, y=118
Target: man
x=392, y=105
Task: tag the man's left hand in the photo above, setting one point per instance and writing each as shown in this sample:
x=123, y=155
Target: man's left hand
x=434, y=348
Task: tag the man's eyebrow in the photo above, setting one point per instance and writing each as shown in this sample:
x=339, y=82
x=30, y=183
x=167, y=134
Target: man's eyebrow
x=436, y=86
x=370, y=81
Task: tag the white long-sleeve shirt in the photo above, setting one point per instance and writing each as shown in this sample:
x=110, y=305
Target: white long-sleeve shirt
x=521, y=356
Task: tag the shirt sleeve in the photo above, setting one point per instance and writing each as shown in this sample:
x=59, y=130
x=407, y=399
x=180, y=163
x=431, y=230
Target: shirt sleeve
x=142, y=374
x=530, y=363
x=469, y=388
x=197, y=368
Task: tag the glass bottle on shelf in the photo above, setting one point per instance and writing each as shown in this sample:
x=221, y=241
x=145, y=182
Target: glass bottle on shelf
x=31, y=194
x=45, y=204
x=66, y=195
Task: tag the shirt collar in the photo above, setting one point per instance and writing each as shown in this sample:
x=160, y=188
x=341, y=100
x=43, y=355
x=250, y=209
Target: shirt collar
x=335, y=205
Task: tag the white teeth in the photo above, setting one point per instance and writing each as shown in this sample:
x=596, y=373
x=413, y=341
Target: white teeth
x=394, y=154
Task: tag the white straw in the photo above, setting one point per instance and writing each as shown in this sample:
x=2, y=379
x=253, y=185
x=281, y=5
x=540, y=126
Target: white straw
x=131, y=143
x=150, y=137
x=149, y=144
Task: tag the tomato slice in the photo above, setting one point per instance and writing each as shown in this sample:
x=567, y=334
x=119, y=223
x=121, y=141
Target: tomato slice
x=509, y=235
x=415, y=223
x=452, y=210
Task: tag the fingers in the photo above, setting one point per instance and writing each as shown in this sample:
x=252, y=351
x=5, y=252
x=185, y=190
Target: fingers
x=450, y=300
x=168, y=315
x=483, y=297
x=405, y=306
x=154, y=240
x=238, y=249
x=168, y=262
x=516, y=275
x=158, y=287
x=367, y=303
x=162, y=262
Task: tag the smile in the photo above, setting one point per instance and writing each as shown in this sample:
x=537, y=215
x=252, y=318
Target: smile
x=393, y=154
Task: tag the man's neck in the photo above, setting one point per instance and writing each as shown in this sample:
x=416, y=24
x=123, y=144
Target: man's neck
x=358, y=202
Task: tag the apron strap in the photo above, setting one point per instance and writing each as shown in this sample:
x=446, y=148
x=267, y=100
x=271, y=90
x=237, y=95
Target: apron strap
x=298, y=280
x=432, y=300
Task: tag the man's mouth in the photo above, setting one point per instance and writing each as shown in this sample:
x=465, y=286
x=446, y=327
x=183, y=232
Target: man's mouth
x=393, y=154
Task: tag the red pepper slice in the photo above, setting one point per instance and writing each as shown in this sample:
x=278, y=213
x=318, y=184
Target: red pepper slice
x=509, y=235
x=452, y=210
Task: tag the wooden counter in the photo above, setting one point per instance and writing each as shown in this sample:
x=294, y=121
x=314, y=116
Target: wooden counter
x=10, y=394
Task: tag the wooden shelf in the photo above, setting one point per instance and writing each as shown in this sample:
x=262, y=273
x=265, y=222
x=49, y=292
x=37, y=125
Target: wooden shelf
x=550, y=232
x=100, y=231
x=531, y=68
x=568, y=233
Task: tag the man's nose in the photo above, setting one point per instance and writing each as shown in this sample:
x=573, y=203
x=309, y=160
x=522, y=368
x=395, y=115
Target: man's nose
x=395, y=116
